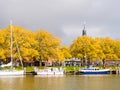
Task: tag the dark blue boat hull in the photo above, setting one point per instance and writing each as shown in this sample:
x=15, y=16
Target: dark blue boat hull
x=103, y=72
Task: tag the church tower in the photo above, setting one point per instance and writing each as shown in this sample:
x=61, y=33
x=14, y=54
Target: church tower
x=84, y=31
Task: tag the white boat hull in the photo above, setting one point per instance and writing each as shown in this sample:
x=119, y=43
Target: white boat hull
x=48, y=71
x=11, y=73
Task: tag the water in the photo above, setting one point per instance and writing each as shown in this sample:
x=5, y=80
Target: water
x=66, y=82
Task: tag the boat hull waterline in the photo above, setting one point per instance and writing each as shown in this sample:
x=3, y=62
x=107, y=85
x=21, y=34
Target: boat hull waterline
x=104, y=71
x=11, y=73
x=48, y=71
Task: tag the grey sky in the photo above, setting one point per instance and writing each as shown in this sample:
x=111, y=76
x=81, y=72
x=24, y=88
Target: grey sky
x=64, y=18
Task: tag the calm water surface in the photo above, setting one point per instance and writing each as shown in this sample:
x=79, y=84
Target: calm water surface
x=66, y=82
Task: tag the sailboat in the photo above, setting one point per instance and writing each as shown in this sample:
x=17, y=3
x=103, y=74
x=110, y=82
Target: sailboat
x=11, y=72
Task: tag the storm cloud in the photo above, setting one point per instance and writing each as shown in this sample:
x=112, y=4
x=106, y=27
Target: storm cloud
x=64, y=18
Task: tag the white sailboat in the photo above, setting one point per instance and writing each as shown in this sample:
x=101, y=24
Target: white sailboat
x=11, y=72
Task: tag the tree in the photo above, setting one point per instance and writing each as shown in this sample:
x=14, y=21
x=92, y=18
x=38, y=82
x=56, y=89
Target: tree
x=47, y=45
x=22, y=38
x=86, y=47
x=110, y=47
x=66, y=52
x=26, y=42
x=5, y=42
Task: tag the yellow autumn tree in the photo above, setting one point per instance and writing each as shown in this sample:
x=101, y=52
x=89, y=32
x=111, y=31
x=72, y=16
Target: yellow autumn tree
x=110, y=47
x=23, y=39
x=117, y=48
x=66, y=52
x=47, y=45
x=86, y=47
x=5, y=42
x=2, y=47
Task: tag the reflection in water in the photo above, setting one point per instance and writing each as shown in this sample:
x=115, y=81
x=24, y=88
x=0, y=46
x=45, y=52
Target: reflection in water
x=49, y=75
x=65, y=82
x=10, y=82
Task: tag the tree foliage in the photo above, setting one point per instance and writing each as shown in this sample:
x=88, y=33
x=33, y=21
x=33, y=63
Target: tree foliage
x=86, y=46
x=39, y=44
x=46, y=46
x=95, y=48
x=66, y=52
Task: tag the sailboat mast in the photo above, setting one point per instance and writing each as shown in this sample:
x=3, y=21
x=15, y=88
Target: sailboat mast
x=11, y=46
x=19, y=54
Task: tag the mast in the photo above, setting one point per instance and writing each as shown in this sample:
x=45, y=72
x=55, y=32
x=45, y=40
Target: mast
x=19, y=53
x=11, y=46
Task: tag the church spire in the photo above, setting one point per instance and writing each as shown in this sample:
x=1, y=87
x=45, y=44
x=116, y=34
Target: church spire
x=84, y=31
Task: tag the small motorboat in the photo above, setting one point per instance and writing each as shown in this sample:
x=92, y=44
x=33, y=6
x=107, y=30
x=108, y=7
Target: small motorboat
x=93, y=70
x=50, y=71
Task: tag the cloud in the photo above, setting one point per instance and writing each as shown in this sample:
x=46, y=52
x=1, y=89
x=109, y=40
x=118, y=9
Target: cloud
x=64, y=18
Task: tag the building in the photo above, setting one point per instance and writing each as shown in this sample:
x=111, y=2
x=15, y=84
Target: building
x=84, y=31
x=112, y=62
x=73, y=62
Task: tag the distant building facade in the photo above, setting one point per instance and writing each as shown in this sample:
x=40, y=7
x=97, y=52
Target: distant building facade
x=112, y=62
x=73, y=62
